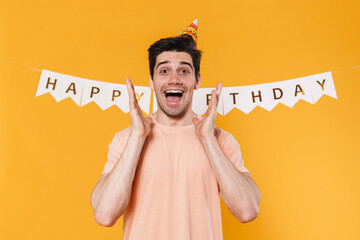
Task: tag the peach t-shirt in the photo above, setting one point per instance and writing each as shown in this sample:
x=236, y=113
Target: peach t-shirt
x=175, y=194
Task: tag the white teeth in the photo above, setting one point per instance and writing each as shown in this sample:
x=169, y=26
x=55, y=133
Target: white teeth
x=173, y=91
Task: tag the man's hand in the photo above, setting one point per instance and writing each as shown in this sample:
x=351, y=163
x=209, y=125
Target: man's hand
x=140, y=126
x=206, y=126
x=112, y=193
x=238, y=190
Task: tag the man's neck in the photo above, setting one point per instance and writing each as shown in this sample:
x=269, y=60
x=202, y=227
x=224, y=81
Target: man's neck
x=184, y=120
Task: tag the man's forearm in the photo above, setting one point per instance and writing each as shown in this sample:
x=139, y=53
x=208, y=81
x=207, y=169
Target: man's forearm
x=239, y=192
x=112, y=193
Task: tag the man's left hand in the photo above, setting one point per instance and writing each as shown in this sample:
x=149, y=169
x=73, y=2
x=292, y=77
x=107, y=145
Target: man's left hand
x=206, y=126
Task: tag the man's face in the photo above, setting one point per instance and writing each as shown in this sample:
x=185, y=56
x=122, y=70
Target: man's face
x=174, y=82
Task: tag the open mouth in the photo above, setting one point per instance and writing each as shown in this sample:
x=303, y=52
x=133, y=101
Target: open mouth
x=173, y=96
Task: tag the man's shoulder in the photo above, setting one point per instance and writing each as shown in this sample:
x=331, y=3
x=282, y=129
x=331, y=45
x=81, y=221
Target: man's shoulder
x=123, y=134
x=221, y=133
x=224, y=137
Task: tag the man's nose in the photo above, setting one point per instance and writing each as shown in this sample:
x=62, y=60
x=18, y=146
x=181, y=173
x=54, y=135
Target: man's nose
x=175, y=78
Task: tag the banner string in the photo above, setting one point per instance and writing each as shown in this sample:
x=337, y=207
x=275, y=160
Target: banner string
x=2, y=60
x=345, y=69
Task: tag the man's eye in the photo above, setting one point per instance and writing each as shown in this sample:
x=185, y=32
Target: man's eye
x=184, y=71
x=163, y=71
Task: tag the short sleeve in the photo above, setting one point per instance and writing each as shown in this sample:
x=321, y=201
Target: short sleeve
x=231, y=149
x=116, y=148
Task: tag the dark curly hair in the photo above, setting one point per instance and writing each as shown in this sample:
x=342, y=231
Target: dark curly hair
x=178, y=44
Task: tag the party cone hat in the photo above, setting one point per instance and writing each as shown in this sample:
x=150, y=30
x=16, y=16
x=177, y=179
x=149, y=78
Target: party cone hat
x=191, y=31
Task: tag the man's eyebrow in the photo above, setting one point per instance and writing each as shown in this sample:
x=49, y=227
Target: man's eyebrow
x=187, y=64
x=165, y=62
x=161, y=63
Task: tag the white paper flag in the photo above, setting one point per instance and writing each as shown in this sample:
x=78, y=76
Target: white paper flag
x=283, y=92
x=154, y=103
x=116, y=94
x=143, y=95
x=230, y=98
x=94, y=91
x=60, y=86
x=246, y=98
x=298, y=88
x=201, y=100
x=322, y=84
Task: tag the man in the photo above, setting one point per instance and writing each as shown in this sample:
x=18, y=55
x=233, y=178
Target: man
x=166, y=171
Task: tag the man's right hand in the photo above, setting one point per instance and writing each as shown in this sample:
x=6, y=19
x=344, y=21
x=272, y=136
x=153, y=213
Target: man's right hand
x=140, y=126
x=112, y=193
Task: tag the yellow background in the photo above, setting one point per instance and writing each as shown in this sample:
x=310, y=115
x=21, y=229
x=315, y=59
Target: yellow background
x=305, y=160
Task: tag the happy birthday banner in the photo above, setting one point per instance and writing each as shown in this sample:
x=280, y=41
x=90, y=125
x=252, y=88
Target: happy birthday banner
x=245, y=98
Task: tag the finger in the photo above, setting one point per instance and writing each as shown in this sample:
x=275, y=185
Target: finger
x=218, y=92
x=211, y=105
x=133, y=88
x=129, y=88
x=212, y=109
x=218, y=87
x=137, y=106
x=128, y=84
x=131, y=93
x=214, y=99
x=135, y=96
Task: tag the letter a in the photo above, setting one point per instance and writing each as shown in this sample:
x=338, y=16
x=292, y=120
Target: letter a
x=297, y=91
x=71, y=88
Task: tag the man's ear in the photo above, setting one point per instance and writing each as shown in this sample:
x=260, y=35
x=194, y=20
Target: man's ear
x=198, y=81
x=151, y=83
